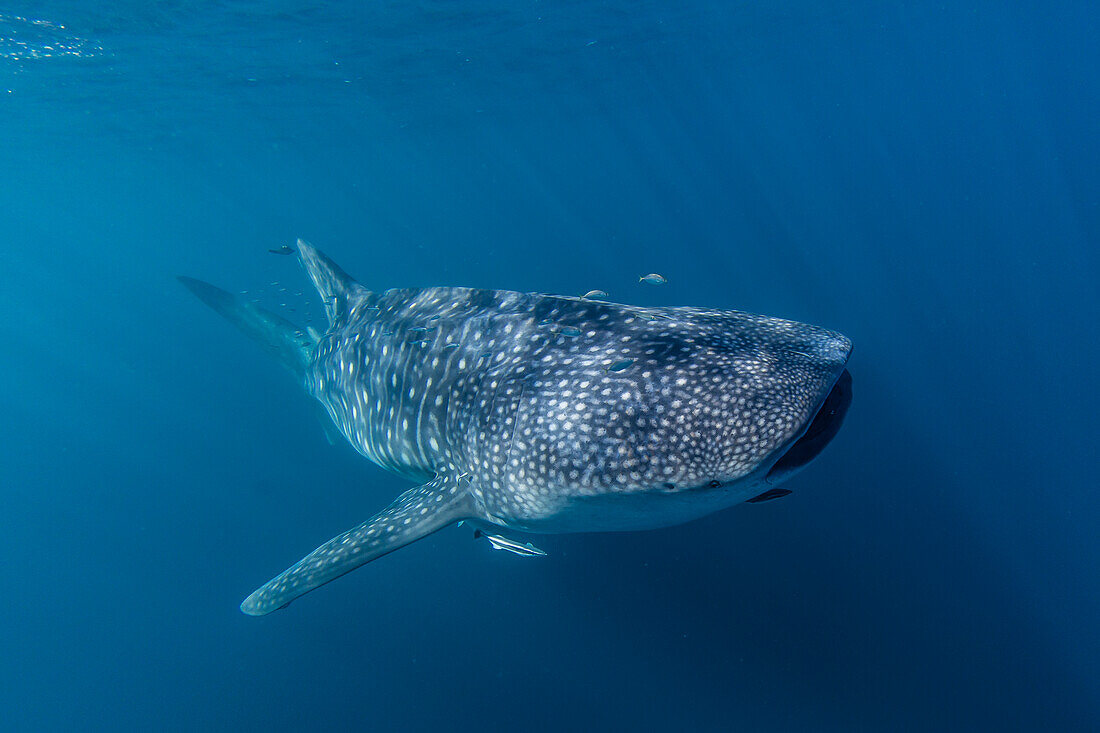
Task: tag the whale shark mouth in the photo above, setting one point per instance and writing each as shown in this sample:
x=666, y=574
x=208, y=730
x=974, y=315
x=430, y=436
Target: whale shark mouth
x=822, y=429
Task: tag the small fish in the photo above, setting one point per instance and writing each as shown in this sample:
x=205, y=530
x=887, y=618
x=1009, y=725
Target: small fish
x=451, y=346
x=768, y=496
x=653, y=279
x=620, y=365
x=421, y=329
x=595, y=294
x=569, y=331
x=284, y=250
x=526, y=549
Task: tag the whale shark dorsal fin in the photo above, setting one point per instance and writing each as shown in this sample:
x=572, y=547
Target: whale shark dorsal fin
x=415, y=514
x=335, y=286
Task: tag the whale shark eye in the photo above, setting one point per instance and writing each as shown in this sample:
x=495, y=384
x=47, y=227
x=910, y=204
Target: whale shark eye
x=714, y=484
x=670, y=487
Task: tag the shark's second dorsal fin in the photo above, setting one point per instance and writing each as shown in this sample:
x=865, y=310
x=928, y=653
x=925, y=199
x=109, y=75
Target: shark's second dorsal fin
x=335, y=286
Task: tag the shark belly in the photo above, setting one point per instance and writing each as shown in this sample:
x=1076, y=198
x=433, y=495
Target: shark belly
x=631, y=511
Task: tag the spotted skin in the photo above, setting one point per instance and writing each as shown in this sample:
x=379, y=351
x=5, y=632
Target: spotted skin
x=545, y=413
x=544, y=420
x=417, y=512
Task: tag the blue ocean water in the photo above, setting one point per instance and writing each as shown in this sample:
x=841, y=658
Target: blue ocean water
x=921, y=176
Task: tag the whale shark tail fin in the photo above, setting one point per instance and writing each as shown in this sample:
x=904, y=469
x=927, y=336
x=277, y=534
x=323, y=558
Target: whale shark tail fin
x=335, y=286
x=291, y=345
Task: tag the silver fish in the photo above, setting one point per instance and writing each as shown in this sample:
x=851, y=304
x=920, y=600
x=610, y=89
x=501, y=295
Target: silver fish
x=526, y=549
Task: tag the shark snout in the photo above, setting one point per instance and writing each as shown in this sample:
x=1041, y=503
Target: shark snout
x=835, y=349
x=819, y=430
x=813, y=367
x=829, y=350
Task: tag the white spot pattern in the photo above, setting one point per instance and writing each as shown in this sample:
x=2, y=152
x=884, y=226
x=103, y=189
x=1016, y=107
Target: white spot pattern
x=640, y=400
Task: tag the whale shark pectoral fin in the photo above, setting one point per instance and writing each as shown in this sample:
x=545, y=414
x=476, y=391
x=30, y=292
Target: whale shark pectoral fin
x=415, y=514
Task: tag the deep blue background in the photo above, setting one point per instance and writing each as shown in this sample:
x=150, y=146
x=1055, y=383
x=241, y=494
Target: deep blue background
x=924, y=177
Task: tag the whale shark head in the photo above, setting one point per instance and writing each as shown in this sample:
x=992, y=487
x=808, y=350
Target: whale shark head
x=711, y=404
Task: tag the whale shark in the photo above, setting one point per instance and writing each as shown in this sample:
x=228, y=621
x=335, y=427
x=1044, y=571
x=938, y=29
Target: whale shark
x=535, y=413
